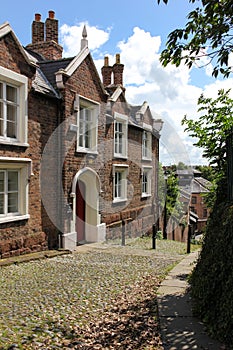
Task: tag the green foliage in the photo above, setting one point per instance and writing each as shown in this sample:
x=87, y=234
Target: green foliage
x=159, y=235
x=207, y=35
x=182, y=166
x=168, y=190
x=172, y=196
x=207, y=172
x=213, y=127
x=212, y=278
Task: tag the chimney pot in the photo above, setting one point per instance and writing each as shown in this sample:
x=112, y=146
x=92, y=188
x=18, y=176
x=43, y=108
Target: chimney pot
x=106, y=71
x=118, y=69
x=51, y=14
x=106, y=61
x=37, y=17
x=118, y=59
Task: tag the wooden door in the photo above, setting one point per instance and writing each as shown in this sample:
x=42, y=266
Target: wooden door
x=80, y=211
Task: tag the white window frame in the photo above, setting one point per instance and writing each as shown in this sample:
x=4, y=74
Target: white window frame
x=92, y=109
x=23, y=167
x=121, y=169
x=120, y=136
x=146, y=181
x=146, y=145
x=20, y=82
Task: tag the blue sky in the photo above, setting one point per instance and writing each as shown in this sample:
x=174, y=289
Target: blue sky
x=138, y=31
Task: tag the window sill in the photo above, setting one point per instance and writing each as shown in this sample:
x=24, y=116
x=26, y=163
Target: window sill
x=121, y=156
x=86, y=151
x=6, y=219
x=147, y=159
x=119, y=200
x=13, y=143
x=146, y=195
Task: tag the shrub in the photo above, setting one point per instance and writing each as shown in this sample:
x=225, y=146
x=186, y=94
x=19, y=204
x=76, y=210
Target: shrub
x=212, y=279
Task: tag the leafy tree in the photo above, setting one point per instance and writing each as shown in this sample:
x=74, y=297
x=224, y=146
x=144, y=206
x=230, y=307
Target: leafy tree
x=207, y=172
x=181, y=166
x=213, y=128
x=212, y=278
x=173, y=205
x=169, y=192
x=207, y=34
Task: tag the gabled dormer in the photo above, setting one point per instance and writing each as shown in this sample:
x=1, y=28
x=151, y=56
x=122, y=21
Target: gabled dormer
x=15, y=77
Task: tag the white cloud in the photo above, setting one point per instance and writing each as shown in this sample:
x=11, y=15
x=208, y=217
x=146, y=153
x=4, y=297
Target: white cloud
x=168, y=91
x=71, y=38
x=211, y=90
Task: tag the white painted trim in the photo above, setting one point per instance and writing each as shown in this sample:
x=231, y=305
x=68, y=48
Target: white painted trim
x=149, y=147
x=5, y=29
x=116, y=94
x=144, y=107
x=75, y=63
x=147, y=127
x=24, y=165
x=121, y=118
x=149, y=170
x=78, y=174
x=21, y=82
x=14, y=159
x=6, y=219
x=124, y=168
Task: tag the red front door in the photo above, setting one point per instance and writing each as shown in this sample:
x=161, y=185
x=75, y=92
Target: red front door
x=80, y=211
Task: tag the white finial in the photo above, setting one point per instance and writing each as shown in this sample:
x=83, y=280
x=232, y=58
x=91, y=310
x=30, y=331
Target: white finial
x=84, y=41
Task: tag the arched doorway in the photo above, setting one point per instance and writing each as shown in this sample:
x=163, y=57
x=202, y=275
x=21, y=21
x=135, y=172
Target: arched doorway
x=86, y=217
x=80, y=211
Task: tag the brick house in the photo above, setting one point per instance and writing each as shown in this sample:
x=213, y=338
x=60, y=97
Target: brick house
x=77, y=162
x=195, y=211
x=200, y=187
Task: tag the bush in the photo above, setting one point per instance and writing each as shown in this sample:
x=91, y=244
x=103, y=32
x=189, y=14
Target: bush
x=212, y=279
x=159, y=235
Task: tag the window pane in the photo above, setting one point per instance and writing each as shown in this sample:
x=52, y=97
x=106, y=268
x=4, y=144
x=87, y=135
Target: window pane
x=1, y=203
x=120, y=145
x=11, y=94
x=12, y=181
x=12, y=202
x=1, y=181
x=118, y=185
x=1, y=110
x=11, y=112
x=88, y=114
x=1, y=90
x=11, y=130
x=87, y=140
x=80, y=141
x=11, y=121
x=1, y=120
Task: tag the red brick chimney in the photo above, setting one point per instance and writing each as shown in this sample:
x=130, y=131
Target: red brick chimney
x=106, y=71
x=37, y=29
x=118, y=69
x=51, y=25
x=45, y=37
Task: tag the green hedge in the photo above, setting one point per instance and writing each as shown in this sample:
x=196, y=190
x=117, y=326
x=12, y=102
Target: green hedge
x=212, y=279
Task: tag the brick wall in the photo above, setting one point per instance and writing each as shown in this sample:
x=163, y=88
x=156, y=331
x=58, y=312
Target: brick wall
x=37, y=232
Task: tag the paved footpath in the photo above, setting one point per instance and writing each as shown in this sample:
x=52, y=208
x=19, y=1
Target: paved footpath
x=180, y=330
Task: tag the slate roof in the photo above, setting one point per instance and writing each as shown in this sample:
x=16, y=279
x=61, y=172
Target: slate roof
x=42, y=85
x=200, y=185
x=45, y=79
x=49, y=68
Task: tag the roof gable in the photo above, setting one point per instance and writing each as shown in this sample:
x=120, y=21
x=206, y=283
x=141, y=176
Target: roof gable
x=6, y=29
x=73, y=65
x=119, y=92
